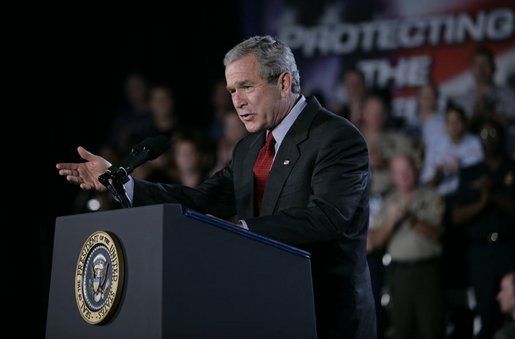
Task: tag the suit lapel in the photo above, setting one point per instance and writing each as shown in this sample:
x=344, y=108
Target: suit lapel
x=287, y=156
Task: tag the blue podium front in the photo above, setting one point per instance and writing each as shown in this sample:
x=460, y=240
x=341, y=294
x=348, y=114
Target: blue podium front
x=185, y=275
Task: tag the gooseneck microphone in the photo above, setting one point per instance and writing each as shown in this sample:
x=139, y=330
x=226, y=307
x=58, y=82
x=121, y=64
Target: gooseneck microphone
x=117, y=175
x=148, y=149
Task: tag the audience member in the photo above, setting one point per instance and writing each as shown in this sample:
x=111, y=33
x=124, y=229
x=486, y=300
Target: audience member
x=428, y=127
x=234, y=131
x=460, y=149
x=353, y=92
x=165, y=119
x=484, y=208
x=409, y=225
x=135, y=117
x=485, y=99
x=382, y=142
x=506, y=299
x=221, y=105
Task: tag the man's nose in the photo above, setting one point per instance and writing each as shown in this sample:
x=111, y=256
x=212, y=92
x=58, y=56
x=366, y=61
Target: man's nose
x=238, y=99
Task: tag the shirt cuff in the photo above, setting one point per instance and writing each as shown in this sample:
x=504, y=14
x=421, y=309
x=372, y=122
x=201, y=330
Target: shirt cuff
x=129, y=189
x=244, y=224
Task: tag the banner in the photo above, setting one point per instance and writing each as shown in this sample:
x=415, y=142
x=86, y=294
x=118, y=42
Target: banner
x=398, y=45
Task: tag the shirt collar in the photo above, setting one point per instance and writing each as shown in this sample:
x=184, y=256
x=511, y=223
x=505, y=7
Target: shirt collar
x=284, y=126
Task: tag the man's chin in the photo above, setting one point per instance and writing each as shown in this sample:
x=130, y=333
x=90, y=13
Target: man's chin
x=253, y=127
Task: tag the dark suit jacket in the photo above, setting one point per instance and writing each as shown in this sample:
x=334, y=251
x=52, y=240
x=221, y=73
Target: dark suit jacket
x=316, y=198
x=506, y=332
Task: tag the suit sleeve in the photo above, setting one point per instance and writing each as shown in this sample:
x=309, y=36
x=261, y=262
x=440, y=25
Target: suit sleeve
x=214, y=196
x=337, y=207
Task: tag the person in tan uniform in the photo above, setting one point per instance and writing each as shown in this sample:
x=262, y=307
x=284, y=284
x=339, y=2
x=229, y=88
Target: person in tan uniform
x=409, y=226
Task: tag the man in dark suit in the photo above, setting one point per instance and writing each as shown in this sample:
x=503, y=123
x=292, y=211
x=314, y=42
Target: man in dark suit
x=315, y=196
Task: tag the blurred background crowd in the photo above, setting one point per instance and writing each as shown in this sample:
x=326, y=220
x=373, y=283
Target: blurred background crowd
x=441, y=240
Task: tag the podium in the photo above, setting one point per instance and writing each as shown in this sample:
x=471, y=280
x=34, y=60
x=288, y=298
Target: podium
x=185, y=275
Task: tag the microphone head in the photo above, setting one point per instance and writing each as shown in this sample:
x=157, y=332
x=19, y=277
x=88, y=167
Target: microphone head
x=154, y=146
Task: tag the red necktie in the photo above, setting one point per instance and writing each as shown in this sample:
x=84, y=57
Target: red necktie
x=262, y=167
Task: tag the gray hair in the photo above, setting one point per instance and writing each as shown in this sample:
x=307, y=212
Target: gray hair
x=274, y=56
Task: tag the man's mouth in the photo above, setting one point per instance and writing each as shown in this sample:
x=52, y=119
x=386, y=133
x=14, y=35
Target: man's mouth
x=246, y=116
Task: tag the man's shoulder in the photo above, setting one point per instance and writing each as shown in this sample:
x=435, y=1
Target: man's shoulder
x=319, y=124
x=327, y=122
x=324, y=118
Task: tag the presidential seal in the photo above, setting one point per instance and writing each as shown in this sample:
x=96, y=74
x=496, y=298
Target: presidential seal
x=99, y=277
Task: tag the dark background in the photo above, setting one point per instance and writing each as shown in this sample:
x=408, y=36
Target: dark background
x=84, y=63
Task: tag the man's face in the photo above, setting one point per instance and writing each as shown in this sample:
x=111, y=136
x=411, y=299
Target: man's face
x=489, y=136
x=481, y=68
x=427, y=98
x=354, y=85
x=373, y=114
x=403, y=174
x=259, y=103
x=455, y=126
x=506, y=295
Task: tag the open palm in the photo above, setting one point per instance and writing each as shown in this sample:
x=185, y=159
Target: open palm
x=85, y=174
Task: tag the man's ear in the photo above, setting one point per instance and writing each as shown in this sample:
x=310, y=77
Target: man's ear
x=285, y=82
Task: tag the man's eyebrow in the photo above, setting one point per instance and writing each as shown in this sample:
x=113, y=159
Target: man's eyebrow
x=240, y=83
x=243, y=83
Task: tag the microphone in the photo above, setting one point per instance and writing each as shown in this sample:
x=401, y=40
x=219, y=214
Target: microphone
x=117, y=175
x=148, y=149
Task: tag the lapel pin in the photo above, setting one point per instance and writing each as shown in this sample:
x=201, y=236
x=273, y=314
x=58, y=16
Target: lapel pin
x=286, y=162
